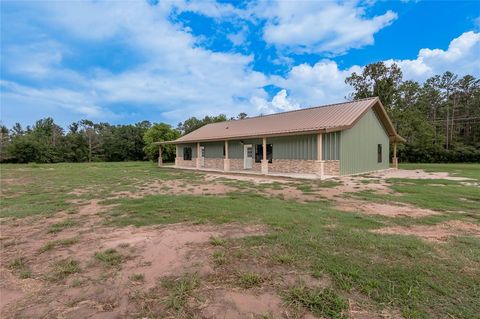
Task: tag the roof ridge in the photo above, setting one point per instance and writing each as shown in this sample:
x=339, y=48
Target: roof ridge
x=303, y=109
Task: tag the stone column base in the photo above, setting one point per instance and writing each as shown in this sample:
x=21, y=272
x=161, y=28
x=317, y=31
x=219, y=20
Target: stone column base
x=197, y=162
x=395, y=162
x=176, y=160
x=265, y=167
x=226, y=164
x=320, y=169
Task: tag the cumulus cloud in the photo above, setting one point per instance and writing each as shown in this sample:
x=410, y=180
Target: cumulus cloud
x=279, y=103
x=462, y=57
x=321, y=26
x=175, y=78
x=319, y=84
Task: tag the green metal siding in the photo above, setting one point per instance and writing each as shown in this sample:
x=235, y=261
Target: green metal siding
x=213, y=149
x=181, y=146
x=302, y=147
x=331, y=146
x=235, y=148
x=358, y=147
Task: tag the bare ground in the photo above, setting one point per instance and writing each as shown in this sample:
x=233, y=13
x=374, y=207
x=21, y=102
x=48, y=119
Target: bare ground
x=163, y=251
x=435, y=233
x=153, y=252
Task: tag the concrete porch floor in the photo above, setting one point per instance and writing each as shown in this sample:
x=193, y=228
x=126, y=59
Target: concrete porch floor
x=251, y=172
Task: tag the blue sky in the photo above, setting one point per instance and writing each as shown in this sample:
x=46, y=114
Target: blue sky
x=164, y=61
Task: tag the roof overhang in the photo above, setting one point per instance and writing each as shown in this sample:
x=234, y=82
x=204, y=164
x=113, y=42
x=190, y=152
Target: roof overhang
x=376, y=104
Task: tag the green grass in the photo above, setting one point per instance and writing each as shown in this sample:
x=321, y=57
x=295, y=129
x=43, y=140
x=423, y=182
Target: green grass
x=418, y=278
x=216, y=241
x=58, y=227
x=219, y=258
x=436, y=194
x=63, y=268
x=137, y=277
x=179, y=290
x=458, y=169
x=58, y=243
x=250, y=280
x=109, y=257
x=323, y=303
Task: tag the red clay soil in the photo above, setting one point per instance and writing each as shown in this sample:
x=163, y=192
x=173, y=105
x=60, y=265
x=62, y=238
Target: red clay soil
x=435, y=233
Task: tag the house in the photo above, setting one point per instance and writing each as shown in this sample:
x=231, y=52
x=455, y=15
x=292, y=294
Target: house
x=331, y=140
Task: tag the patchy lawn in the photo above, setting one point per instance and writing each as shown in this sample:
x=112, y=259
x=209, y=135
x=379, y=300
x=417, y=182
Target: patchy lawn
x=134, y=240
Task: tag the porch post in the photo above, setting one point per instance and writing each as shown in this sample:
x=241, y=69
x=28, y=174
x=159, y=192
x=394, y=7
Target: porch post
x=226, y=160
x=264, y=156
x=198, y=156
x=320, y=161
x=395, y=158
x=160, y=160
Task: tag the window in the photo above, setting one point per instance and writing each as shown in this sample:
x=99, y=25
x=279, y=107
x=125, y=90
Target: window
x=223, y=150
x=379, y=153
x=259, y=153
x=187, y=153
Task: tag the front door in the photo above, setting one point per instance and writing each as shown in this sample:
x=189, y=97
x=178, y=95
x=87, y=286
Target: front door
x=247, y=156
x=202, y=156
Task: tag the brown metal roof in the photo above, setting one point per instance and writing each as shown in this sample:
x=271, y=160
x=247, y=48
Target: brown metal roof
x=328, y=118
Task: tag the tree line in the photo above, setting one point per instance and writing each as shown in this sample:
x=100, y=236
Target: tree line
x=440, y=119
x=86, y=141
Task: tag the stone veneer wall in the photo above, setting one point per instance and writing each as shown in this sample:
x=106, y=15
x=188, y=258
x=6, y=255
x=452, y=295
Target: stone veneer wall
x=304, y=166
x=213, y=163
x=180, y=162
x=292, y=166
x=236, y=164
x=331, y=168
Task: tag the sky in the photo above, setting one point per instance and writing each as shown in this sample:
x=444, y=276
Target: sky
x=164, y=61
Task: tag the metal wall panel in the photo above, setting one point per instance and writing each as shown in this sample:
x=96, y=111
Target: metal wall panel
x=331, y=146
x=181, y=146
x=358, y=147
x=213, y=149
x=235, y=148
x=302, y=147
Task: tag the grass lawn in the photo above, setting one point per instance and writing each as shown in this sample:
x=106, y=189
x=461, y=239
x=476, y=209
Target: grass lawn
x=404, y=274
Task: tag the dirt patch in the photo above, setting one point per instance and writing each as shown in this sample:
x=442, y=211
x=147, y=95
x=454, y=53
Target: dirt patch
x=383, y=209
x=165, y=251
x=257, y=180
x=243, y=304
x=175, y=187
x=436, y=233
x=16, y=181
x=98, y=290
x=78, y=192
x=417, y=174
x=291, y=193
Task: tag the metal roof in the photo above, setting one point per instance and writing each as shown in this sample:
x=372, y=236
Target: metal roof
x=327, y=118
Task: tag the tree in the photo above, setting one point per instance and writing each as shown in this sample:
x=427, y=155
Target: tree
x=193, y=123
x=376, y=79
x=439, y=118
x=90, y=131
x=26, y=149
x=4, y=140
x=157, y=133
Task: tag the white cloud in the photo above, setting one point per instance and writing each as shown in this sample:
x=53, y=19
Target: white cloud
x=176, y=78
x=320, y=26
x=279, y=103
x=75, y=102
x=461, y=57
x=319, y=84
